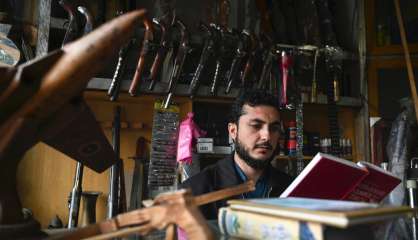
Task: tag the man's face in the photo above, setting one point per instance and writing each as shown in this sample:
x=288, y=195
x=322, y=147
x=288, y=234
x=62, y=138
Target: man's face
x=256, y=134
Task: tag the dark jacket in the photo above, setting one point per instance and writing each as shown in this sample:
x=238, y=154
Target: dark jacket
x=223, y=174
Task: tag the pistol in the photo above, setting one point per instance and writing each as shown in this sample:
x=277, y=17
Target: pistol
x=72, y=30
x=240, y=53
x=88, y=26
x=250, y=59
x=220, y=36
x=178, y=61
x=265, y=72
x=161, y=52
x=204, y=57
x=148, y=37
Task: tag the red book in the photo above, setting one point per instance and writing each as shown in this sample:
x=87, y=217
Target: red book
x=330, y=177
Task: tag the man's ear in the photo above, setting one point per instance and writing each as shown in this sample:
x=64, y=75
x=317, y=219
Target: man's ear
x=232, y=130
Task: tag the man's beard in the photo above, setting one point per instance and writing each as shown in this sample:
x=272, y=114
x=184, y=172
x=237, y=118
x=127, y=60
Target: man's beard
x=254, y=163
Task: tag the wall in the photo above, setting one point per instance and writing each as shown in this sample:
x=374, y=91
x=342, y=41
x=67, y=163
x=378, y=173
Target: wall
x=45, y=176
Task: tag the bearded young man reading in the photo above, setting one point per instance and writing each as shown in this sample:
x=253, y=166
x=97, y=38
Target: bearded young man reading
x=254, y=127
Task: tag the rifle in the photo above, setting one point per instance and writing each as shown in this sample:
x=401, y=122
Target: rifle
x=148, y=37
x=75, y=195
x=161, y=52
x=178, y=62
x=72, y=29
x=240, y=53
x=138, y=182
x=88, y=26
x=204, y=58
x=114, y=88
x=113, y=198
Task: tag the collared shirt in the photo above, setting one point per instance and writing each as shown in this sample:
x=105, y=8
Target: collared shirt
x=261, y=186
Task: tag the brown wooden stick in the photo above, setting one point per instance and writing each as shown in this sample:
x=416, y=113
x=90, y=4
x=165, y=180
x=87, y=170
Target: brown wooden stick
x=198, y=201
x=407, y=57
x=224, y=193
x=120, y=233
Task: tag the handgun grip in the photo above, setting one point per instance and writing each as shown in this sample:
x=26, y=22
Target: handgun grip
x=141, y=62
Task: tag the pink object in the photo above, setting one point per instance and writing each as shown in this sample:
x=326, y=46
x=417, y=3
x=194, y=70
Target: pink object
x=188, y=134
x=181, y=234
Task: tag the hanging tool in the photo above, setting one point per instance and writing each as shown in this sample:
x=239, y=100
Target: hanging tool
x=182, y=52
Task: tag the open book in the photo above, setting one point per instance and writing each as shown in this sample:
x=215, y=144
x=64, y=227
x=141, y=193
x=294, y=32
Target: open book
x=330, y=177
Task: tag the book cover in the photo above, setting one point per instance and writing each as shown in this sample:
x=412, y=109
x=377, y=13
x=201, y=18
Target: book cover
x=326, y=177
x=336, y=213
x=330, y=177
x=375, y=186
x=250, y=225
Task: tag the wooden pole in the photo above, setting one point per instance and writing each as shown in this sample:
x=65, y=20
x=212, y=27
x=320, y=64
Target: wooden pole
x=407, y=57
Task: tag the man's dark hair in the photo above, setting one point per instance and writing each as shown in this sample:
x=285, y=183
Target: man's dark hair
x=252, y=98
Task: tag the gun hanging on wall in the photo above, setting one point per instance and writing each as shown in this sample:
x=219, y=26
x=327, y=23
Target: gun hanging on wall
x=139, y=180
x=73, y=30
x=146, y=44
x=113, y=198
x=249, y=64
x=182, y=52
x=114, y=88
x=240, y=53
x=266, y=71
x=161, y=52
x=207, y=52
x=219, y=50
x=75, y=195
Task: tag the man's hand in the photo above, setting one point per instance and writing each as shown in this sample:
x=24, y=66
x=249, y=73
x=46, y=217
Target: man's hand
x=172, y=208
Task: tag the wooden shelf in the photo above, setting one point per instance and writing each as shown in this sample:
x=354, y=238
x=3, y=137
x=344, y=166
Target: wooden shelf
x=203, y=93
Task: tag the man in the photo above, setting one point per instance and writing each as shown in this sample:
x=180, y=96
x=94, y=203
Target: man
x=255, y=129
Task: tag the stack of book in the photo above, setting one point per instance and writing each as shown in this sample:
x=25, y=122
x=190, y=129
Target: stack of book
x=316, y=200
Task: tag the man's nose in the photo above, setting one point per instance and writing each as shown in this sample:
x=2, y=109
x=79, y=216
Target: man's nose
x=265, y=133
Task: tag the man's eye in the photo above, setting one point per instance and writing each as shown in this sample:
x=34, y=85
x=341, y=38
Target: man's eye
x=256, y=126
x=275, y=129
